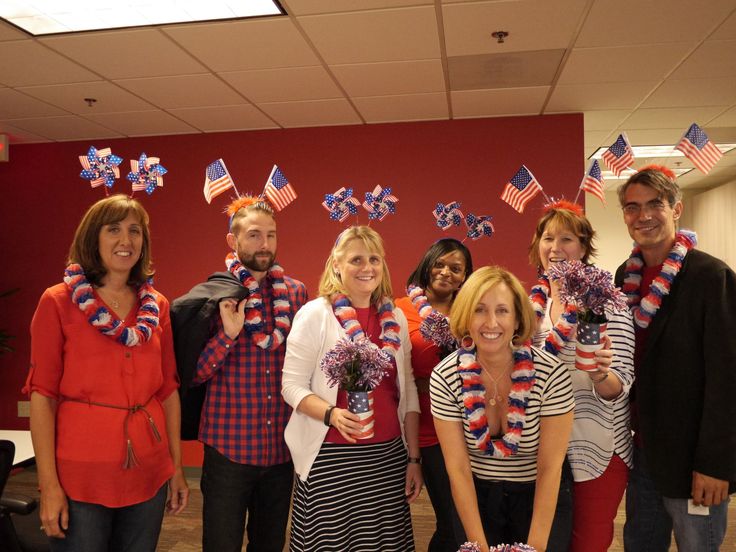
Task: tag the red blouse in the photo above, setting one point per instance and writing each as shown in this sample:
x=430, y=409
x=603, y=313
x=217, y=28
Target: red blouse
x=72, y=361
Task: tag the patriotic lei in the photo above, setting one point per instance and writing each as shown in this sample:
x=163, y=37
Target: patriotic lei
x=473, y=397
x=645, y=308
x=83, y=295
x=562, y=332
x=435, y=325
x=345, y=313
x=254, y=313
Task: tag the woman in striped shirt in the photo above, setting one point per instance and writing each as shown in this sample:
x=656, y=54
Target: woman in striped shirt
x=600, y=446
x=503, y=413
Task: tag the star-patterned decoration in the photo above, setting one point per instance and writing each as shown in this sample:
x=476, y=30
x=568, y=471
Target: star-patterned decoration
x=146, y=173
x=479, y=226
x=100, y=167
x=448, y=215
x=341, y=204
x=380, y=203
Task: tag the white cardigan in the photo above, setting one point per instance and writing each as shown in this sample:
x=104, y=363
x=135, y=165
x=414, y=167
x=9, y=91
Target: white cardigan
x=315, y=330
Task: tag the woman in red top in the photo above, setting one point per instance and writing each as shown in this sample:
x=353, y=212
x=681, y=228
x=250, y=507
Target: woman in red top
x=104, y=407
x=437, y=278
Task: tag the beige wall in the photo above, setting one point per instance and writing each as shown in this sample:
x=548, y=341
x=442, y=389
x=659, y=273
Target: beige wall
x=712, y=214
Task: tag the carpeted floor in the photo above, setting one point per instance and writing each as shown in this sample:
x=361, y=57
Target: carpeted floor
x=183, y=533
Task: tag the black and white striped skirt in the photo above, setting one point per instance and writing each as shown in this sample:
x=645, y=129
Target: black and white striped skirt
x=353, y=501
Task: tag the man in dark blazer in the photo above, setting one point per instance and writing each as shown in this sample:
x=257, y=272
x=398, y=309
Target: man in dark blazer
x=684, y=396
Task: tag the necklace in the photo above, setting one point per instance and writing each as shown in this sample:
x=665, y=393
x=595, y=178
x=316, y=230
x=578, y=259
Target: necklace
x=495, y=395
x=645, y=308
x=108, y=323
x=254, y=313
x=473, y=397
x=345, y=313
x=562, y=332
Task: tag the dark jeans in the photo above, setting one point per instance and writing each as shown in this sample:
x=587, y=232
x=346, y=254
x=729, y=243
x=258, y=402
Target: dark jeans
x=97, y=528
x=506, y=511
x=448, y=534
x=232, y=491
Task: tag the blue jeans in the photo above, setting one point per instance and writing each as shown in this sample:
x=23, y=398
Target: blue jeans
x=449, y=533
x=97, y=528
x=231, y=492
x=650, y=518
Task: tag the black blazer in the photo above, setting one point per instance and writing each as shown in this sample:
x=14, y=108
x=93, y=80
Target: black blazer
x=686, y=384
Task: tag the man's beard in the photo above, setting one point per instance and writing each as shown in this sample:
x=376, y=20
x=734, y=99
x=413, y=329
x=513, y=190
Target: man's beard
x=258, y=262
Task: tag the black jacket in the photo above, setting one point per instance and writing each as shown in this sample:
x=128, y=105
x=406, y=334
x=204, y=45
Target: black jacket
x=686, y=382
x=191, y=321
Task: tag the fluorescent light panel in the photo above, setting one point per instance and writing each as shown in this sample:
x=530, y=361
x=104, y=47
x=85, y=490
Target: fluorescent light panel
x=651, y=152
x=44, y=17
x=608, y=175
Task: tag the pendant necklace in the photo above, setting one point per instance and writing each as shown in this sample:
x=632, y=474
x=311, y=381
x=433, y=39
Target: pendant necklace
x=492, y=400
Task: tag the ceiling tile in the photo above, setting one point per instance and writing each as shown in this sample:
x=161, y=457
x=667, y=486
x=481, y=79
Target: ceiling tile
x=309, y=7
x=512, y=70
x=620, y=22
x=25, y=63
x=532, y=25
x=284, y=84
x=225, y=118
x=596, y=97
x=410, y=107
x=727, y=119
x=391, y=78
x=714, y=58
x=262, y=43
x=65, y=128
x=183, y=91
x=110, y=98
x=14, y=105
x=383, y=35
x=670, y=117
x=501, y=102
x=693, y=93
x=623, y=63
x=312, y=113
x=8, y=32
x=143, y=123
x=726, y=30
x=652, y=137
x=604, y=120
x=598, y=139
x=127, y=53
x=20, y=136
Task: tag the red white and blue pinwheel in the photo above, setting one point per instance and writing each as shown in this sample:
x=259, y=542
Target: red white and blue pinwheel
x=479, y=226
x=341, y=204
x=379, y=203
x=146, y=174
x=448, y=215
x=100, y=167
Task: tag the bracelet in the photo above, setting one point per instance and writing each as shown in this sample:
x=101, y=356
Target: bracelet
x=599, y=380
x=328, y=414
x=415, y=460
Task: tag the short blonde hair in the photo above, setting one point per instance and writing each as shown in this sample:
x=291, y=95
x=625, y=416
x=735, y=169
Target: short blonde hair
x=330, y=283
x=475, y=287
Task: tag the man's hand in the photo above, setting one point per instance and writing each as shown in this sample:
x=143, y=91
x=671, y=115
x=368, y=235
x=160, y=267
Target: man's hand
x=232, y=314
x=708, y=491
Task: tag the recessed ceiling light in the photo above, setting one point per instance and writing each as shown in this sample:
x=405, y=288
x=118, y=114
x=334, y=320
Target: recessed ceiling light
x=44, y=17
x=651, y=152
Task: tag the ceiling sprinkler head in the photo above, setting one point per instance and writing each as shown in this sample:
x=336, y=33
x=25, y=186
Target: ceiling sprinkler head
x=500, y=36
x=90, y=101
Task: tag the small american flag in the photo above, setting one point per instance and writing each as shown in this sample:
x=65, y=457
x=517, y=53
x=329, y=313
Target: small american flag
x=278, y=191
x=216, y=180
x=593, y=181
x=619, y=155
x=697, y=147
x=522, y=188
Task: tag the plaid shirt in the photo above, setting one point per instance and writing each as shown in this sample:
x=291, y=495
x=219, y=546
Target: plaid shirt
x=244, y=416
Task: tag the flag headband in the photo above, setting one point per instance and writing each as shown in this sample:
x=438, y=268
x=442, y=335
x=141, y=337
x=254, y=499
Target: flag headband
x=669, y=173
x=564, y=204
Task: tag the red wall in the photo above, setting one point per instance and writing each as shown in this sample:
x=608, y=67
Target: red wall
x=469, y=161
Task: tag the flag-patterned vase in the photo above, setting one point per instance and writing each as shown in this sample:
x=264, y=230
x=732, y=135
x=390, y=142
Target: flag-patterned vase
x=361, y=403
x=590, y=338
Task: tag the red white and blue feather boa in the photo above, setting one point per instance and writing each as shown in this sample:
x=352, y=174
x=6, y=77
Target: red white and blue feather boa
x=473, y=397
x=83, y=295
x=254, y=312
x=562, y=332
x=645, y=308
x=345, y=313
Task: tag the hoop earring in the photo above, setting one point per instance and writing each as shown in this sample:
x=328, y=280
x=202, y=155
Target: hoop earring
x=514, y=337
x=467, y=342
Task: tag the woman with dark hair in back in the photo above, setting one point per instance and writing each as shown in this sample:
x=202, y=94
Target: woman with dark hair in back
x=431, y=290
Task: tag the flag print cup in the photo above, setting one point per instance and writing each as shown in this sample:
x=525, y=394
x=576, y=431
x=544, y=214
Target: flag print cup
x=361, y=403
x=590, y=338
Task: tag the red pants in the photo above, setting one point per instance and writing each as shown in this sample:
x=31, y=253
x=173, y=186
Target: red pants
x=595, y=504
